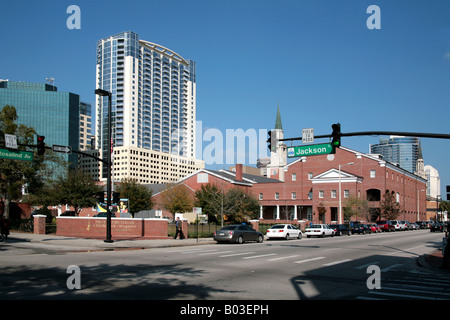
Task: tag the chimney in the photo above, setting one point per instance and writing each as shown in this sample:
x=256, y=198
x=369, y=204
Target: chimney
x=238, y=172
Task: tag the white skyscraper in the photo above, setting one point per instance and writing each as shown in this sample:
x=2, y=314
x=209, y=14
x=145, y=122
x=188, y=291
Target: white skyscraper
x=153, y=109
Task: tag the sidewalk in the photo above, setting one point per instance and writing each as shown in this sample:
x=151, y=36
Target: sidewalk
x=433, y=261
x=81, y=244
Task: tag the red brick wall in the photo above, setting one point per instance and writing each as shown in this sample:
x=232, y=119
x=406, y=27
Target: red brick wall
x=121, y=228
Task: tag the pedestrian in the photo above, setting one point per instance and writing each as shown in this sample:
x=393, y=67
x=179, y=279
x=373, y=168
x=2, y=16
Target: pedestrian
x=178, y=227
x=4, y=226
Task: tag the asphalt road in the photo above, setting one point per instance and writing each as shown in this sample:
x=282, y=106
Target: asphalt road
x=314, y=268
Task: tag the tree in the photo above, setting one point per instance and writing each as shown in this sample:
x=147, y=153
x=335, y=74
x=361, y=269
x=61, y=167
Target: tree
x=139, y=197
x=210, y=198
x=390, y=208
x=14, y=174
x=240, y=206
x=176, y=198
x=234, y=205
x=356, y=207
x=76, y=189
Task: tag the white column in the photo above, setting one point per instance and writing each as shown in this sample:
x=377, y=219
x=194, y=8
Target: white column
x=261, y=212
x=278, y=213
x=295, y=212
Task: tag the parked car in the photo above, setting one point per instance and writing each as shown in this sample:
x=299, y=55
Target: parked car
x=386, y=225
x=437, y=226
x=104, y=214
x=421, y=224
x=283, y=231
x=340, y=229
x=374, y=227
x=361, y=228
x=319, y=230
x=398, y=225
x=239, y=233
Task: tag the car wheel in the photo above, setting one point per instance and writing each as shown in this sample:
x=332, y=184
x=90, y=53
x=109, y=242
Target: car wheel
x=323, y=235
x=260, y=239
x=287, y=236
x=300, y=235
x=240, y=240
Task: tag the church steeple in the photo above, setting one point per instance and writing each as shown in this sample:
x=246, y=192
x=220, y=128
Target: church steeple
x=278, y=124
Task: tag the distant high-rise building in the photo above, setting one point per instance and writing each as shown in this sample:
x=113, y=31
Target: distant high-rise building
x=85, y=126
x=433, y=182
x=52, y=113
x=402, y=151
x=153, y=109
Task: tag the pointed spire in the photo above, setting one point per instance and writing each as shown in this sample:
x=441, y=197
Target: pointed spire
x=278, y=124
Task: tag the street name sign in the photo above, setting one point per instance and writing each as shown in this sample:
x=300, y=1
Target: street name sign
x=16, y=155
x=310, y=150
x=63, y=149
x=308, y=135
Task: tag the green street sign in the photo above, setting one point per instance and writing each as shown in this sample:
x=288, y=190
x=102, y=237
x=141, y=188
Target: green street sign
x=16, y=155
x=309, y=150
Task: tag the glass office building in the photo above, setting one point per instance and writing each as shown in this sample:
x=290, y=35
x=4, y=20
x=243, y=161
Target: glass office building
x=51, y=113
x=403, y=151
x=153, y=97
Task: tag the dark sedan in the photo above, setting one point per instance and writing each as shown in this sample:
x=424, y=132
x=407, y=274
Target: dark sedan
x=361, y=228
x=340, y=229
x=238, y=233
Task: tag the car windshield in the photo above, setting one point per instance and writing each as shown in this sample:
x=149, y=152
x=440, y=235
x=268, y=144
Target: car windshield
x=277, y=226
x=315, y=226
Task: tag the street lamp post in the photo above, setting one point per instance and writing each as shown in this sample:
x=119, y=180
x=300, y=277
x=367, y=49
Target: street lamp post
x=340, y=200
x=104, y=93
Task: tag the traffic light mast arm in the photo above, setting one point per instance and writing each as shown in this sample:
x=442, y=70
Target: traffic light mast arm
x=380, y=133
x=74, y=151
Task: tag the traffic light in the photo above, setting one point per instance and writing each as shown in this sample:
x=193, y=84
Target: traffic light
x=40, y=145
x=116, y=197
x=272, y=141
x=269, y=140
x=336, y=136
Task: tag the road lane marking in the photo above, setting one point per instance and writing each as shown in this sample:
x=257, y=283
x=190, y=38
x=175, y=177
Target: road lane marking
x=308, y=260
x=364, y=266
x=336, y=262
x=391, y=267
x=281, y=258
x=235, y=254
x=260, y=256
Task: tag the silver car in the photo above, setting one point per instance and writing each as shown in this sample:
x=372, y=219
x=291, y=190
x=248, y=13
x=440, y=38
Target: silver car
x=238, y=233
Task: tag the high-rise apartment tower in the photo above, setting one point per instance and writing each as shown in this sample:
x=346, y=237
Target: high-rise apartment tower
x=153, y=108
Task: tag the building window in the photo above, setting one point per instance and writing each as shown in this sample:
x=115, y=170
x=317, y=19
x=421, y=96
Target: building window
x=260, y=196
x=294, y=177
x=320, y=194
x=293, y=195
x=277, y=196
x=310, y=175
x=202, y=178
x=346, y=194
x=372, y=173
x=333, y=194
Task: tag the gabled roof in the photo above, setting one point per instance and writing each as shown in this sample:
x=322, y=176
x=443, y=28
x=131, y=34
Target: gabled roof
x=332, y=175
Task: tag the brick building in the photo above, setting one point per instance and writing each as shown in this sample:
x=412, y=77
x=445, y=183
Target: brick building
x=310, y=190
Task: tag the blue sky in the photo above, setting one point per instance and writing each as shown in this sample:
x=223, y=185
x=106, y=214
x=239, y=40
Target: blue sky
x=316, y=59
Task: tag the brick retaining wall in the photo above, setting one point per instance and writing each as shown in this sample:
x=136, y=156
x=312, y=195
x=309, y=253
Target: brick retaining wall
x=121, y=228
